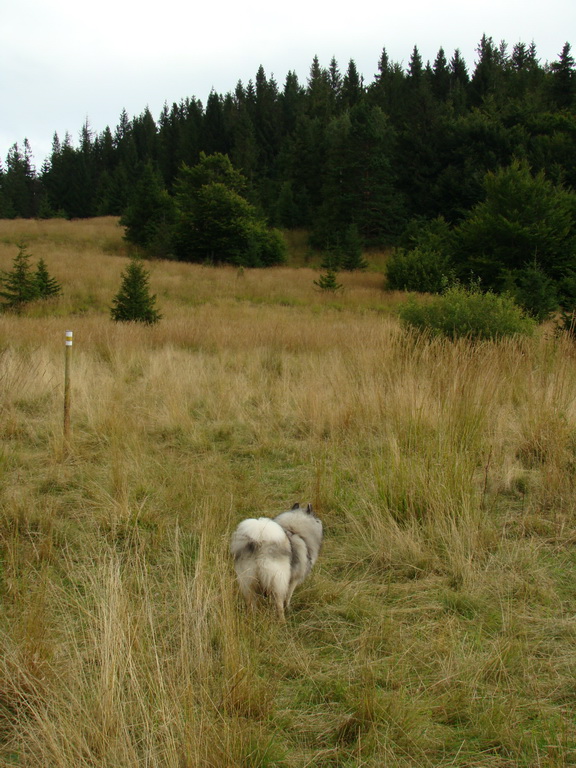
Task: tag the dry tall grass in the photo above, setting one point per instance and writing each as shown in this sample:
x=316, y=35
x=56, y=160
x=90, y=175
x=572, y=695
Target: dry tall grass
x=438, y=628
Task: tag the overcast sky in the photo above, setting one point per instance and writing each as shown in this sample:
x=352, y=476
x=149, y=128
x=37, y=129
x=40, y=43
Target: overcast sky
x=64, y=62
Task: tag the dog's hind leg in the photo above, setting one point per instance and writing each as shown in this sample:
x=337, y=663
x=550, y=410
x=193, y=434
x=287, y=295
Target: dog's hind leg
x=278, y=589
x=291, y=589
x=249, y=596
x=247, y=581
x=279, y=600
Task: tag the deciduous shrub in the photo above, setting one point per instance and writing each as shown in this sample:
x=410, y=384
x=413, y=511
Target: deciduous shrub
x=467, y=311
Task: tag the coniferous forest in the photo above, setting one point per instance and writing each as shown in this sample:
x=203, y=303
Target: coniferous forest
x=335, y=155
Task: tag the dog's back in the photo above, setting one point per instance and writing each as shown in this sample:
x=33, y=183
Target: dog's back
x=303, y=523
x=274, y=556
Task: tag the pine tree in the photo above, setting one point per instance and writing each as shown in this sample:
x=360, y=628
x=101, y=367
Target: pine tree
x=133, y=302
x=46, y=285
x=19, y=285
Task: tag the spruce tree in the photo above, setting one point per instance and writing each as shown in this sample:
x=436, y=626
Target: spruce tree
x=319, y=92
x=564, y=79
x=327, y=281
x=133, y=302
x=216, y=223
x=351, y=258
x=287, y=214
x=335, y=78
x=19, y=286
x=149, y=216
x=524, y=220
x=536, y=292
x=441, y=76
x=415, y=68
x=488, y=71
x=359, y=181
x=352, y=88
x=46, y=285
x=19, y=183
x=459, y=82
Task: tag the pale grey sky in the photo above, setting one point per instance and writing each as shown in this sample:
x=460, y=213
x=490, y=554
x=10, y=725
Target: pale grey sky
x=63, y=62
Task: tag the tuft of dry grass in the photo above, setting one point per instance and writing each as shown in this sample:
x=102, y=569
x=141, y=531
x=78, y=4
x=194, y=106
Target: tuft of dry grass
x=438, y=627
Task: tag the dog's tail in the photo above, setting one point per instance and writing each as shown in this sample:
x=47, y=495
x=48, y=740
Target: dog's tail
x=252, y=534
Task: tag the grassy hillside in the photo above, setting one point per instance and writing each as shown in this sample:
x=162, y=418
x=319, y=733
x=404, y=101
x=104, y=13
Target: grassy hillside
x=438, y=627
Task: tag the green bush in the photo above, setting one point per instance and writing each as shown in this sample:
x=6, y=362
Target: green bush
x=264, y=247
x=418, y=270
x=469, y=312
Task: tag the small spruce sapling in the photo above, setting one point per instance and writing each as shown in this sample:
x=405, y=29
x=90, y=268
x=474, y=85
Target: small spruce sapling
x=19, y=286
x=46, y=285
x=351, y=257
x=133, y=302
x=327, y=280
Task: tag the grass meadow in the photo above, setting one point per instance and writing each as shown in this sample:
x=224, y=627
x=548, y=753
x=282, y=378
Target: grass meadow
x=439, y=625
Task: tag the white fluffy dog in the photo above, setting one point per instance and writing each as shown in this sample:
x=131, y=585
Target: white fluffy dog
x=274, y=556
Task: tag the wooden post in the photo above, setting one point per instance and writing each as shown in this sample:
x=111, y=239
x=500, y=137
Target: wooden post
x=68, y=355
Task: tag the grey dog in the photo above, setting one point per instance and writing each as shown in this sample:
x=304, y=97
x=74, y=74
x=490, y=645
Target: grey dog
x=274, y=556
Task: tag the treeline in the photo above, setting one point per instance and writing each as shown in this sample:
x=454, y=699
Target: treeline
x=334, y=152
